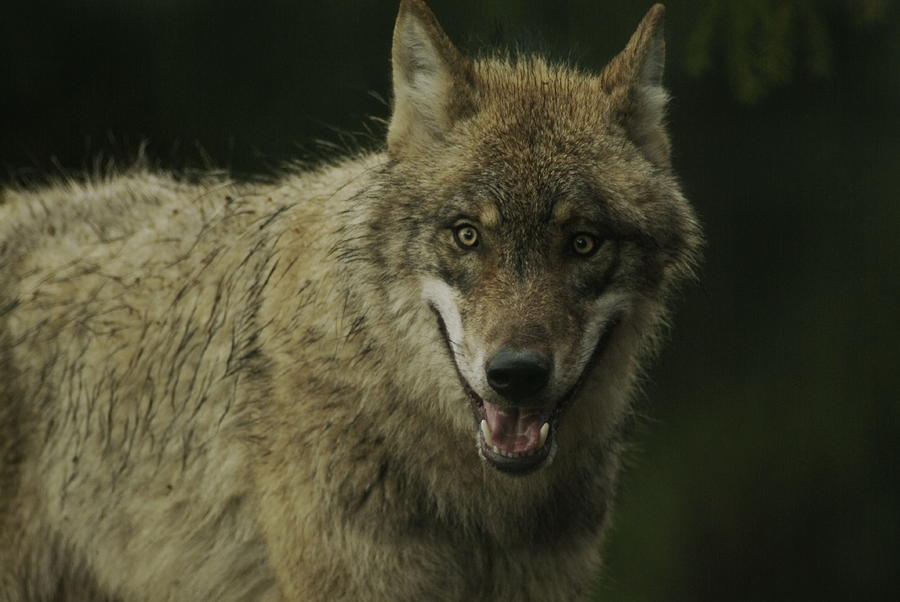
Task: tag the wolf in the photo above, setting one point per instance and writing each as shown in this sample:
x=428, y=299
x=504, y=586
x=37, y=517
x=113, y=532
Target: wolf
x=402, y=375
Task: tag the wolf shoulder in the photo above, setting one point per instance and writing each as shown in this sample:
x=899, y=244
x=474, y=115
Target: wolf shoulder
x=147, y=259
x=155, y=218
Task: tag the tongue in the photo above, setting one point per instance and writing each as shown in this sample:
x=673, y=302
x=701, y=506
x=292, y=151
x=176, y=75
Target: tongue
x=514, y=430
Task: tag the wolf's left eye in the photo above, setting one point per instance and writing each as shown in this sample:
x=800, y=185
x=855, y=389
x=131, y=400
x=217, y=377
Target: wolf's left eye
x=466, y=236
x=585, y=244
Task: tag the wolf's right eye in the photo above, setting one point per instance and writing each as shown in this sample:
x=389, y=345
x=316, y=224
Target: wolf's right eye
x=585, y=244
x=466, y=236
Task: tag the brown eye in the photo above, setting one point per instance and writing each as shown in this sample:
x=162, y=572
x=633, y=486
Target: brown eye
x=466, y=236
x=585, y=244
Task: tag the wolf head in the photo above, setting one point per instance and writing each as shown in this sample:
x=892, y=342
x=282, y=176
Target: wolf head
x=546, y=225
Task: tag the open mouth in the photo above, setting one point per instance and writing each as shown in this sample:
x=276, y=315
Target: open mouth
x=513, y=439
x=518, y=440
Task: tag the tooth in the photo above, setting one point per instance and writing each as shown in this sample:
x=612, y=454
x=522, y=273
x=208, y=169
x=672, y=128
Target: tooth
x=496, y=449
x=487, y=434
x=545, y=430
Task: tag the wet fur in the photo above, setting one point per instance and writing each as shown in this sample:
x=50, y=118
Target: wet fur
x=223, y=391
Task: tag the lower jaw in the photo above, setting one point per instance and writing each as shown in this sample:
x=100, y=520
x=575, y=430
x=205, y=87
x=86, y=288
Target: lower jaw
x=518, y=465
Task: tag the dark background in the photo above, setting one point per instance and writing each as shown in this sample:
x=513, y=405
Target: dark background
x=767, y=467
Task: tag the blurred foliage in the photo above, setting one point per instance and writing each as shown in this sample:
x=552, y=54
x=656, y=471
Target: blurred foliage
x=765, y=43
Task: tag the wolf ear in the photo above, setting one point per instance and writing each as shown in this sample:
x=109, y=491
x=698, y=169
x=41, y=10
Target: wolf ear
x=634, y=81
x=432, y=80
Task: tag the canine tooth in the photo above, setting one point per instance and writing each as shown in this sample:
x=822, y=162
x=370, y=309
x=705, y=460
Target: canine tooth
x=496, y=449
x=486, y=431
x=545, y=430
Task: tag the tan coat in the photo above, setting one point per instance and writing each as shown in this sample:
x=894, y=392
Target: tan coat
x=223, y=391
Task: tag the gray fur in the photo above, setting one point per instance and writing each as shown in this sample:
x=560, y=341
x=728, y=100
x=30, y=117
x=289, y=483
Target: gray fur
x=222, y=391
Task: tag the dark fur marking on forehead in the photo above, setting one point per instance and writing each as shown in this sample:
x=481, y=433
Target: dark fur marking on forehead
x=526, y=202
x=511, y=197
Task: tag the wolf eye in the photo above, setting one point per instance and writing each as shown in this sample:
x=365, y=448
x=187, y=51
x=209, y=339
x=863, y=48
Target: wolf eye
x=585, y=244
x=466, y=236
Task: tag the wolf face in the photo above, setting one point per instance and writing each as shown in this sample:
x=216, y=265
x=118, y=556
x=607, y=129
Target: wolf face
x=550, y=220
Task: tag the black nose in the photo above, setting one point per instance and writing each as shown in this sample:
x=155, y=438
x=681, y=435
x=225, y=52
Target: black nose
x=518, y=373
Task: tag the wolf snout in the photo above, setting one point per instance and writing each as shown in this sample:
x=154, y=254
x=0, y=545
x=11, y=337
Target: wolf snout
x=518, y=374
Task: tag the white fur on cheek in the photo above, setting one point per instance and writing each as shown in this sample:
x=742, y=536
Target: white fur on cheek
x=604, y=310
x=443, y=298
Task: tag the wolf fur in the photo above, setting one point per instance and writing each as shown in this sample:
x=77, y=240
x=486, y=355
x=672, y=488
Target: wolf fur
x=212, y=390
